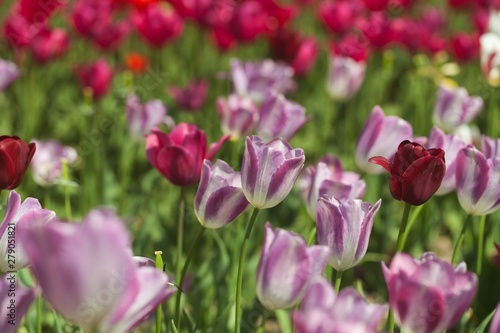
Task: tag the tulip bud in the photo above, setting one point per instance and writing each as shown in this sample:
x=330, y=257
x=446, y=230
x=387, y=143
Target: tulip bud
x=428, y=295
x=239, y=115
x=96, y=76
x=15, y=156
x=268, y=171
x=345, y=77
x=9, y=72
x=192, y=97
x=158, y=24
x=286, y=268
x=416, y=172
x=345, y=227
x=49, y=45
x=219, y=199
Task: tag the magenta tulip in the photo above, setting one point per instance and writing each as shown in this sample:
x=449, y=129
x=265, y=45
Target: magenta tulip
x=158, y=24
x=97, y=76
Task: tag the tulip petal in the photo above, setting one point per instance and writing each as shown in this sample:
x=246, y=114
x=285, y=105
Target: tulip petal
x=422, y=179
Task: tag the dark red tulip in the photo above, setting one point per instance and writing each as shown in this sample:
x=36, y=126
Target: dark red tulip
x=416, y=172
x=15, y=156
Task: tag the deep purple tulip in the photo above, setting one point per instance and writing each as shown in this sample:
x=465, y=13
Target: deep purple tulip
x=454, y=107
x=329, y=178
x=239, y=115
x=13, y=309
x=46, y=165
x=279, y=117
x=322, y=311
x=19, y=215
x=142, y=118
x=269, y=170
x=286, y=268
x=345, y=77
x=345, y=227
x=87, y=273
x=219, y=199
x=380, y=137
x=428, y=295
x=478, y=181
x=9, y=72
x=490, y=147
x=192, y=97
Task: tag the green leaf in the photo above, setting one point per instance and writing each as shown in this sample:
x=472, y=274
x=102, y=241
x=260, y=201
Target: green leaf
x=482, y=326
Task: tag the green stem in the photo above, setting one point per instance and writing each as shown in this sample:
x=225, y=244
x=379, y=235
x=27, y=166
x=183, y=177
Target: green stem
x=412, y=220
x=338, y=280
x=182, y=276
x=39, y=314
x=67, y=199
x=158, y=319
x=159, y=265
x=391, y=321
x=403, y=229
x=311, y=237
x=240, y=269
x=460, y=239
x=480, y=250
x=180, y=233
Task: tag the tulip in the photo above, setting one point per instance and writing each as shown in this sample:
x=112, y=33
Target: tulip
x=451, y=144
x=465, y=47
x=268, y=171
x=248, y=20
x=239, y=115
x=329, y=178
x=286, y=268
x=454, y=107
x=478, y=181
x=490, y=147
x=339, y=16
x=428, y=295
x=494, y=20
x=179, y=155
x=495, y=322
x=256, y=79
x=117, y=296
x=416, y=172
x=9, y=72
x=22, y=301
x=490, y=57
x=345, y=227
x=15, y=156
x=18, y=215
x=19, y=32
x=142, y=118
x=322, y=310
x=376, y=4
x=158, y=24
x=97, y=76
x=38, y=11
x=192, y=97
x=345, y=77
x=47, y=162
x=219, y=199
x=49, y=45
x=378, y=30
x=377, y=137
x=280, y=117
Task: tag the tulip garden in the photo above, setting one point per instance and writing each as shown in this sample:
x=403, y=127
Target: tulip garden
x=300, y=166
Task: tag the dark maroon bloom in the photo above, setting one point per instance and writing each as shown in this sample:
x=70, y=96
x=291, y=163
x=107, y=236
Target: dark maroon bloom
x=15, y=156
x=416, y=172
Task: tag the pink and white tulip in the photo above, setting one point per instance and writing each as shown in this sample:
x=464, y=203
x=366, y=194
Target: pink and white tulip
x=219, y=199
x=46, y=165
x=490, y=57
x=239, y=115
x=345, y=77
x=345, y=227
x=269, y=170
x=286, y=268
x=428, y=295
x=490, y=147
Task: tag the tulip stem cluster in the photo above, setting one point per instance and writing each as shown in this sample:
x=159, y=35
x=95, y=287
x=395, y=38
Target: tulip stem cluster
x=338, y=280
x=460, y=239
x=239, y=280
x=403, y=230
x=182, y=276
x=480, y=244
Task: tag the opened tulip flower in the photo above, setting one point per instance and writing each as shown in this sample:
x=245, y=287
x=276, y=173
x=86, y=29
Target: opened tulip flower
x=15, y=157
x=416, y=173
x=12, y=313
x=219, y=199
x=324, y=311
x=477, y=181
x=18, y=215
x=87, y=273
x=179, y=155
x=286, y=268
x=379, y=137
x=345, y=227
x=428, y=295
x=9, y=72
x=239, y=115
x=269, y=170
x=46, y=166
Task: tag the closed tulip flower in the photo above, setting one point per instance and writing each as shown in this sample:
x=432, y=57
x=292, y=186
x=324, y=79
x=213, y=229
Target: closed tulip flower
x=455, y=107
x=428, y=295
x=192, y=97
x=416, y=172
x=179, y=155
x=15, y=157
x=9, y=72
x=96, y=76
x=219, y=199
x=87, y=273
x=345, y=227
x=345, y=77
x=329, y=178
x=49, y=45
x=490, y=57
x=18, y=215
x=323, y=311
x=239, y=115
x=142, y=118
x=286, y=268
x=269, y=170
x=478, y=181
x=158, y=24
x=23, y=299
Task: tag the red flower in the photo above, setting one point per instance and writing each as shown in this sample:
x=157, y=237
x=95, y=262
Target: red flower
x=158, y=23
x=179, y=155
x=416, y=172
x=136, y=62
x=96, y=76
x=15, y=156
